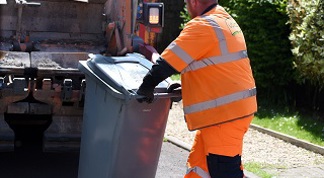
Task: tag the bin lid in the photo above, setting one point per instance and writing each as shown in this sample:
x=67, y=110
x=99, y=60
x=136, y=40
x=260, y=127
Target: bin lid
x=123, y=73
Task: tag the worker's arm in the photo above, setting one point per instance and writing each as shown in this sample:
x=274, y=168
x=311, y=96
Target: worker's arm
x=159, y=72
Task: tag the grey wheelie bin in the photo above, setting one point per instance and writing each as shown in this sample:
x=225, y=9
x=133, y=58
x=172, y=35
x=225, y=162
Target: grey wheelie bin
x=121, y=138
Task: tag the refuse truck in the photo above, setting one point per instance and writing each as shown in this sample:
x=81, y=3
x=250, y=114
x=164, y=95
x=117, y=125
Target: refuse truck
x=42, y=92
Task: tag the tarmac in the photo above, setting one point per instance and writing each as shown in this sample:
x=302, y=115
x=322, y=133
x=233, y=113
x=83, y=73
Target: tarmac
x=35, y=164
x=172, y=164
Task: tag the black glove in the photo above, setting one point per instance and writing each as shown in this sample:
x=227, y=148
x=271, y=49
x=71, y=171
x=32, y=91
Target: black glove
x=147, y=93
x=172, y=88
x=159, y=72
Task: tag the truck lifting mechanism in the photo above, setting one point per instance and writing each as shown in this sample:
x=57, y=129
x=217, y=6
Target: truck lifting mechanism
x=41, y=42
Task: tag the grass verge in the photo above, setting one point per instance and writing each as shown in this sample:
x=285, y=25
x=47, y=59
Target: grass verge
x=257, y=169
x=293, y=124
x=175, y=77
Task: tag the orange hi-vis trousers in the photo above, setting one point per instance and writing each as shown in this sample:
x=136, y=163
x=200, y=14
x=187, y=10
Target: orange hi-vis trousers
x=223, y=139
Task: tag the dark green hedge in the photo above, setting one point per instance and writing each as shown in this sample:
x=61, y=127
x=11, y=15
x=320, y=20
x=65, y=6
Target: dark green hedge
x=264, y=24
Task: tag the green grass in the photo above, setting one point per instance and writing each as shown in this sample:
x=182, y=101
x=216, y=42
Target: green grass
x=256, y=168
x=175, y=77
x=293, y=124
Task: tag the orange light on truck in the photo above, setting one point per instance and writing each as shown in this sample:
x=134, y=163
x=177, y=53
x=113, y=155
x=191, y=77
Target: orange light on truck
x=154, y=16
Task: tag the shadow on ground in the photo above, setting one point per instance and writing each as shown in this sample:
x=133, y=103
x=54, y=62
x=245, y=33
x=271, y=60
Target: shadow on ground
x=34, y=164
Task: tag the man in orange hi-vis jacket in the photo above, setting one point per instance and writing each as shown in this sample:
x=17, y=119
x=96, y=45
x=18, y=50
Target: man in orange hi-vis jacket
x=218, y=89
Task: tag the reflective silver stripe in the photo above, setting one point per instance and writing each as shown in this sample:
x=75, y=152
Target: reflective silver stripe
x=219, y=101
x=220, y=36
x=219, y=33
x=216, y=60
x=198, y=171
x=180, y=52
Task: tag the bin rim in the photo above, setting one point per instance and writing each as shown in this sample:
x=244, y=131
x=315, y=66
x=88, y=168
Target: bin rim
x=86, y=69
x=127, y=95
x=117, y=90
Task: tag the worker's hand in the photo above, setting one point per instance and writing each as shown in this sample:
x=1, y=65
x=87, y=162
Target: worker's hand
x=175, y=88
x=147, y=93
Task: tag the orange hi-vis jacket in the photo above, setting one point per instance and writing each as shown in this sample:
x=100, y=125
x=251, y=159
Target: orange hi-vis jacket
x=216, y=76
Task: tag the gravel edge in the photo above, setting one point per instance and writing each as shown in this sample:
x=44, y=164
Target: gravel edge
x=292, y=140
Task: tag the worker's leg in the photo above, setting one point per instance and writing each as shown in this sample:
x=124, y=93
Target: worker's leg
x=223, y=146
x=197, y=165
x=224, y=166
x=218, y=149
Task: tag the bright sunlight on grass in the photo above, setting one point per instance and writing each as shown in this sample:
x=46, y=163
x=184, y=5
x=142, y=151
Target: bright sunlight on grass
x=256, y=168
x=301, y=127
x=175, y=77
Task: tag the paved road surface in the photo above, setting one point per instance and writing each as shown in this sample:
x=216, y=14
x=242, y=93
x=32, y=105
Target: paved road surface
x=65, y=165
x=33, y=164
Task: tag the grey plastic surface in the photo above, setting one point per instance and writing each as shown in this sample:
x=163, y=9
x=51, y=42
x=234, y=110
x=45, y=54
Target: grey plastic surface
x=121, y=137
x=123, y=73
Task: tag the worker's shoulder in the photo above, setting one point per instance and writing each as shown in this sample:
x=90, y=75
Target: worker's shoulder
x=197, y=24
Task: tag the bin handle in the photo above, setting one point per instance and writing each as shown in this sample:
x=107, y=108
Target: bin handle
x=113, y=60
x=160, y=95
x=120, y=60
x=175, y=95
x=167, y=95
